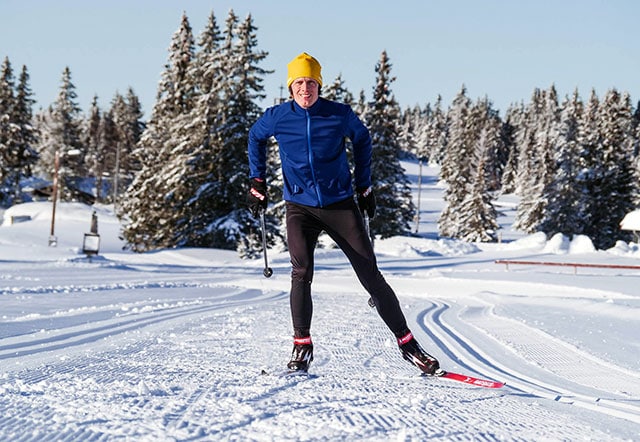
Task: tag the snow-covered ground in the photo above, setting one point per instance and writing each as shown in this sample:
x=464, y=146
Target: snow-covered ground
x=170, y=345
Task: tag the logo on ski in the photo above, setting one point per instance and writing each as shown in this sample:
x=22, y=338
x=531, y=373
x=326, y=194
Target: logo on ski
x=486, y=383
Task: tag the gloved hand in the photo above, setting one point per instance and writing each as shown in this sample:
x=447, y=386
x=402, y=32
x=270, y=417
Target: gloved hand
x=366, y=201
x=257, y=196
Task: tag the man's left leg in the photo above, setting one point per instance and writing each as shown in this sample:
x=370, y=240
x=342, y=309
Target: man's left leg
x=347, y=230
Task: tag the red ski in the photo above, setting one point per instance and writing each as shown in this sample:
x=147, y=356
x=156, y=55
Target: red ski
x=468, y=379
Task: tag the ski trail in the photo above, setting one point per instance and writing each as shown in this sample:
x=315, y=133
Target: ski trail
x=192, y=373
x=530, y=360
x=555, y=355
x=75, y=331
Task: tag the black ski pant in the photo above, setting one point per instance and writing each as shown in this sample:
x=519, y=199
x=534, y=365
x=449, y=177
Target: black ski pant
x=344, y=224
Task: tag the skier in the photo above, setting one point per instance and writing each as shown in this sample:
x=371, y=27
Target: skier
x=319, y=196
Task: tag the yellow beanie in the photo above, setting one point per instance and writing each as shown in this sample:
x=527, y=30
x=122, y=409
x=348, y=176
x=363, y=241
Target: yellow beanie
x=304, y=65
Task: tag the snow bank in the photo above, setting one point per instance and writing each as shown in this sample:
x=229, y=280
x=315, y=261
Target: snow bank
x=535, y=241
x=419, y=247
x=72, y=221
x=558, y=244
x=581, y=244
x=622, y=248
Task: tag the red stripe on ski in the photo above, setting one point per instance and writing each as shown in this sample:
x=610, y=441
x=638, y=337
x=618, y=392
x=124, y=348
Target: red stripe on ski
x=470, y=380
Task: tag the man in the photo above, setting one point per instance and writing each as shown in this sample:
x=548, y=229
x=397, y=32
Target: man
x=318, y=193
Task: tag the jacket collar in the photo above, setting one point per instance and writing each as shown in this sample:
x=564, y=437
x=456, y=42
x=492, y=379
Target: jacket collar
x=312, y=110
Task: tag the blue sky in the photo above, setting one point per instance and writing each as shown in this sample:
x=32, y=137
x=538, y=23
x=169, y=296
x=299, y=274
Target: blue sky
x=501, y=49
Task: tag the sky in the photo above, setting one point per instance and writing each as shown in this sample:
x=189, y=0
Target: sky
x=500, y=49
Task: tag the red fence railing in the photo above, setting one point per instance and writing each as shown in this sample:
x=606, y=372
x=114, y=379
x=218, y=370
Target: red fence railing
x=575, y=265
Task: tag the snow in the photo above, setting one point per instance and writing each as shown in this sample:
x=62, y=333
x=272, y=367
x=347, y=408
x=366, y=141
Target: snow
x=169, y=345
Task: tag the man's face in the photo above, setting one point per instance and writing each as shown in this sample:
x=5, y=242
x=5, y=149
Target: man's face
x=305, y=91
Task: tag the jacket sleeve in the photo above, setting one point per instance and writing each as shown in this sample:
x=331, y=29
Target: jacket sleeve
x=362, y=149
x=259, y=135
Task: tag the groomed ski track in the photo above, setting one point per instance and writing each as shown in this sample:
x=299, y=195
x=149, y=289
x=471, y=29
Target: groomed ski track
x=177, y=356
x=536, y=363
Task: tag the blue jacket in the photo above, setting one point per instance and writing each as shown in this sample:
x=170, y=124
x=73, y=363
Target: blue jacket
x=311, y=142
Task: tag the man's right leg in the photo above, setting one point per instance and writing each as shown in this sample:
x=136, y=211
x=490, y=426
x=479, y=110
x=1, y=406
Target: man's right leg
x=302, y=236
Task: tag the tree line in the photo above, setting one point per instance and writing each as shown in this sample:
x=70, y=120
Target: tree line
x=94, y=151
x=180, y=178
x=573, y=165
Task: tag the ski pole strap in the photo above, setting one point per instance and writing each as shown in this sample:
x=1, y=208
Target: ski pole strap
x=406, y=338
x=302, y=341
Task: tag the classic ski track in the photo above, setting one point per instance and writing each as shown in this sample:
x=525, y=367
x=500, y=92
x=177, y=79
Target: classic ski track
x=439, y=323
x=397, y=384
x=81, y=335
x=92, y=287
x=125, y=366
x=192, y=374
x=555, y=355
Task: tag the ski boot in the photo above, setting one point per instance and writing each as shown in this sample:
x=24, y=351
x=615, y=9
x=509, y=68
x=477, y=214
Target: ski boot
x=302, y=355
x=412, y=352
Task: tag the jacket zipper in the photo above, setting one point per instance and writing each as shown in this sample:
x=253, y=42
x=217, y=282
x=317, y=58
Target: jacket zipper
x=310, y=154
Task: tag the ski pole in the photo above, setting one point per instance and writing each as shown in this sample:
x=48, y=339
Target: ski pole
x=267, y=272
x=371, y=303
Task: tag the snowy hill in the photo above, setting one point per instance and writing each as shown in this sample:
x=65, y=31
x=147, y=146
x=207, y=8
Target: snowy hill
x=169, y=345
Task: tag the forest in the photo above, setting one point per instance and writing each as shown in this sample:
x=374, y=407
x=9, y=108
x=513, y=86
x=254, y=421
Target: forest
x=179, y=178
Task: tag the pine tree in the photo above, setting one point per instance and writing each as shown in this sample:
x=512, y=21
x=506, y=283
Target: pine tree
x=127, y=117
x=337, y=91
x=455, y=167
x=635, y=138
x=495, y=142
x=411, y=121
x=588, y=159
x=613, y=181
x=199, y=195
x=635, y=131
x=421, y=123
x=241, y=111
x=361, y=108
x=479, y=220
x=149, y=206
x=60, y=131
x=25, y=156
x=201, y=178
x=91, y=139
x=17, y=154
x=216, y=212
x=514, y=119
x=206, y=185
x=536, y=167
x=7, y=141
x=526, y=160
x=437, y=133
x=563, y=193
x=108, y=151
x=475, y=138
x=395, y=210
